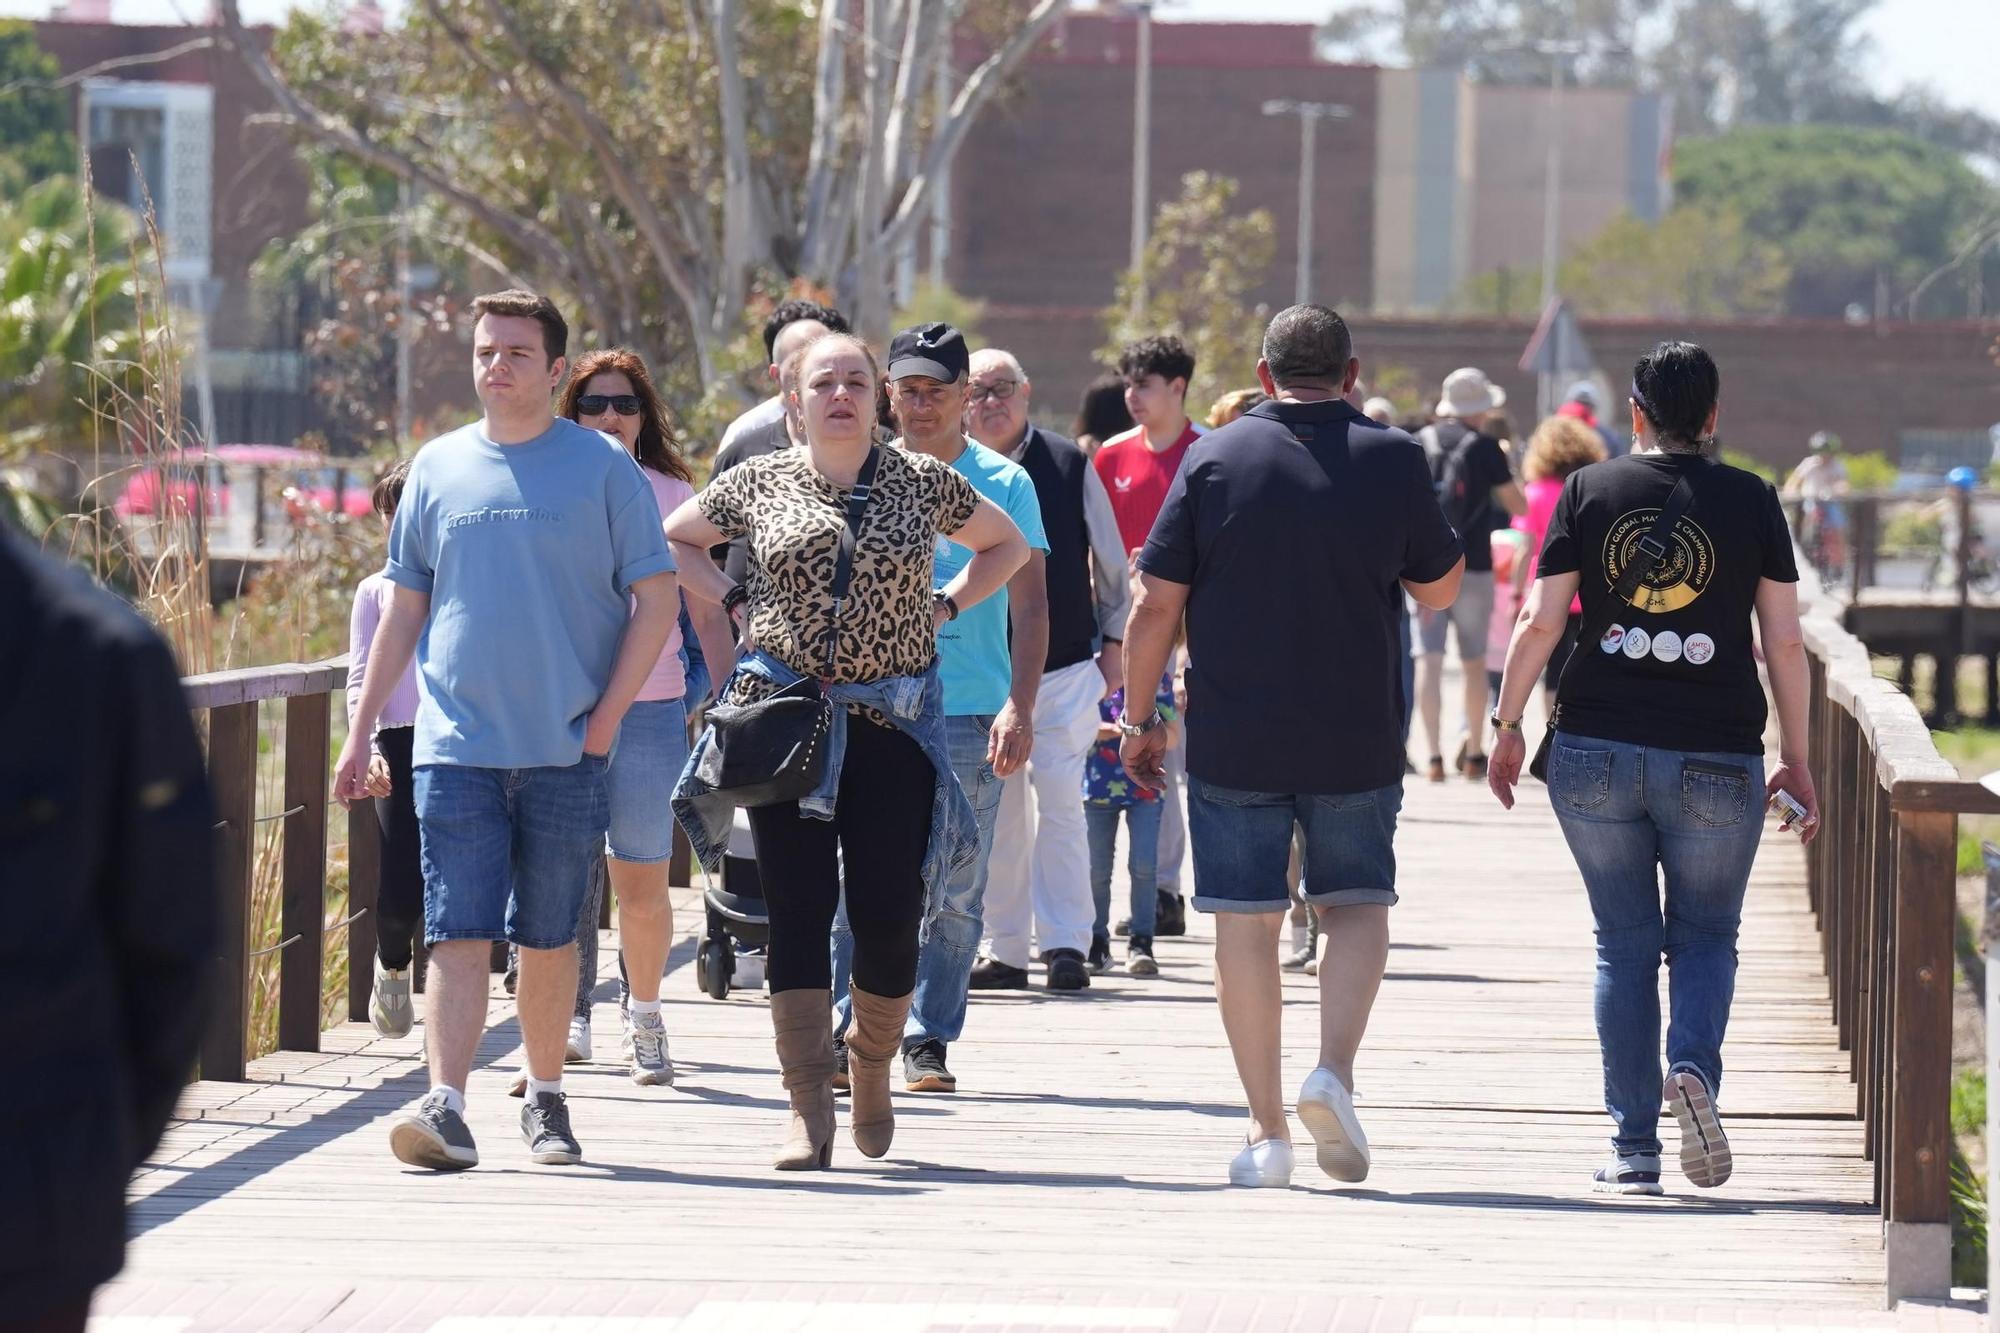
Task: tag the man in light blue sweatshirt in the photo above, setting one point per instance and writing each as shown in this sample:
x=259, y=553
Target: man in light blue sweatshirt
x=534, y=587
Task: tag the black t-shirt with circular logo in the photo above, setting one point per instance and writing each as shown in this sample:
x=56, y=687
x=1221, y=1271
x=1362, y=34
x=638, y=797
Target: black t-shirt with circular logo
x=1675, y=669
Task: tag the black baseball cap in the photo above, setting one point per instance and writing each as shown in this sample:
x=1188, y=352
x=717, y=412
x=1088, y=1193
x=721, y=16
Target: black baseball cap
x=936, y=351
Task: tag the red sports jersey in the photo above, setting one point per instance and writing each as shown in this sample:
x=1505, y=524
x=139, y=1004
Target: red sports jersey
x=1137, y=479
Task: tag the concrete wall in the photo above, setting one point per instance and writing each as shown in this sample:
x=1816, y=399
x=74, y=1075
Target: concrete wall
x=1781, y=380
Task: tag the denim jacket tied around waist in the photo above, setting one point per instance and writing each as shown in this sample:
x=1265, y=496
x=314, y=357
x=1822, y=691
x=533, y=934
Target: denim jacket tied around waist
x=915, y=705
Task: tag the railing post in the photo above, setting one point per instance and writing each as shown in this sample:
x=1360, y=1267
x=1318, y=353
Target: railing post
x=1917, y=1202
x=232, y=776
x=301, y=965
x=1989, y=939
x=364, y=878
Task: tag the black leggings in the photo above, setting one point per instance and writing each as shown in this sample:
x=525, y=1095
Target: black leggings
x=399, y=899
x=882, y=826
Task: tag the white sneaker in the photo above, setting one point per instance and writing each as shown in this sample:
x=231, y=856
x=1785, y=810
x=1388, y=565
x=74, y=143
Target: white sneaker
x=1705, y=1157
x=579, y=1042
x=1266, y=1165
x=389, y=1007
x=648, y=1061
x=1327, y=1110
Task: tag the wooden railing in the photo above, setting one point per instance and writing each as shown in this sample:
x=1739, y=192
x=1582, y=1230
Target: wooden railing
x=1882, y=877
x=231, y=701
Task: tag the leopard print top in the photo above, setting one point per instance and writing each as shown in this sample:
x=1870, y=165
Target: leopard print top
x=793, y=517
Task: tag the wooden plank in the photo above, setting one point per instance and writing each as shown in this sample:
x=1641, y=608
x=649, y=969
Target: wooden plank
x=218, y=689
x=232, y=776
x=1920, y=1039
x=301, y=959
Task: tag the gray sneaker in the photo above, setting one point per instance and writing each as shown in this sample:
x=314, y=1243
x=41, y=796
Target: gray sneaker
x=649, y=1063
x=433, y=1136
x=389, y=1004
x=545, y=1128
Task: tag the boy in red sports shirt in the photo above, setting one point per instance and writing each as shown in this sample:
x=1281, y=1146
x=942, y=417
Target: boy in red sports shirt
x=1138, y=466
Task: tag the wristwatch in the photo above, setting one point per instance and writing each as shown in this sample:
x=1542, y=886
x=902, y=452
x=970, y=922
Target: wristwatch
x=943, y=599
x=1501, y=724
x=737, y=596
x=1135, y=729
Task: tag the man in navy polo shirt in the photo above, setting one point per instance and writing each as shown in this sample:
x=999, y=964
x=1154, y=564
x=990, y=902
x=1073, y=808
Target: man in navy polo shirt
x=1287, y=541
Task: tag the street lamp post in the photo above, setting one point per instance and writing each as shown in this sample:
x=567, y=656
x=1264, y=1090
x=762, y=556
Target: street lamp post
x=1142, y=140
x=1557, y=51
x=1310, y=114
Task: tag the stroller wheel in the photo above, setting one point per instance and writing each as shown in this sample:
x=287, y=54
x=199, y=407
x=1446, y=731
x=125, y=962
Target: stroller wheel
x=712, y=965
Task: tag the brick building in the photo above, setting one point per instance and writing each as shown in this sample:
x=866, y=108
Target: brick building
x=172, y=119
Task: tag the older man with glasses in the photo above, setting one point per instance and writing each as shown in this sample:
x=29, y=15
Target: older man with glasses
x=1038, y=880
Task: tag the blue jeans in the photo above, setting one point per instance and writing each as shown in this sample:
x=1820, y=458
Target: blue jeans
x=944, y=963
x=1141, y=861
x=508, y=852
x=1629, y=813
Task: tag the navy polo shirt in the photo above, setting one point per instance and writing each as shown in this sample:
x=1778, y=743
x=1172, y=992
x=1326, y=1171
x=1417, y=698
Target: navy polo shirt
x=1292, y=527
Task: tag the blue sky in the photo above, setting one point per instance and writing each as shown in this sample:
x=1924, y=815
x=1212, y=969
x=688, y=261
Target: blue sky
x=1934, y=44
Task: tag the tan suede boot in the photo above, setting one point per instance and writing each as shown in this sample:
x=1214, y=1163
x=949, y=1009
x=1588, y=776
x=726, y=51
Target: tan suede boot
x=803, y=1023
x=874, y=1038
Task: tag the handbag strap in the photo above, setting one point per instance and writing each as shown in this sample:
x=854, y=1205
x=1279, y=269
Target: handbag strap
x=1647, y=557
x=850, y=536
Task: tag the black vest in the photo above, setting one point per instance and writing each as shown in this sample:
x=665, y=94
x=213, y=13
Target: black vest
x=1057, y=468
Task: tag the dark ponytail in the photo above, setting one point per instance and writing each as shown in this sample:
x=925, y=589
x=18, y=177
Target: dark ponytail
x=1676, y=385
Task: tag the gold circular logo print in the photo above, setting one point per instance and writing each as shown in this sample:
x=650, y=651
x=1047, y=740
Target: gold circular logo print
x=1680, y=578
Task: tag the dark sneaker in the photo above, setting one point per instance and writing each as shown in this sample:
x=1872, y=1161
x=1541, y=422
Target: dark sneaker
x=1172, y=916
x=433, y=1136
x=923, y=1068
x=1100, y=954
x=840, y=1080
x=1139, y=961
x=545, y=1128
x=1123, y=928
x=992, y=974
x=1066, y=970
x=1629, y=1173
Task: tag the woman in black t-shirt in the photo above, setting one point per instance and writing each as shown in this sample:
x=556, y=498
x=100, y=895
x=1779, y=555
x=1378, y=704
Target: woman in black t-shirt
x=1658, y=758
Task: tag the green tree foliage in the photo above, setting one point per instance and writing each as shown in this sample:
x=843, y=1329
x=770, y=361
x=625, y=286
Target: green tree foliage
x=1201, y=263
x=1844, y=206
x=36, y=140
x=68, y=313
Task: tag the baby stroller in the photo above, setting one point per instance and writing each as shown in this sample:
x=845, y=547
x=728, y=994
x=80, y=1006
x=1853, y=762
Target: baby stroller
x=738, y=930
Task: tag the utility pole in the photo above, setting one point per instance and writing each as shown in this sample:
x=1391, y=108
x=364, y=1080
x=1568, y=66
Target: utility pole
x=1142, y=141
x=404, y=315
x=1557, y=52
x=1310, y=114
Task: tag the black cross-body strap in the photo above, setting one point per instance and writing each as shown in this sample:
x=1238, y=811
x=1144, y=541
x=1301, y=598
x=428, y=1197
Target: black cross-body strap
x=850, y=535
x=1651, y=551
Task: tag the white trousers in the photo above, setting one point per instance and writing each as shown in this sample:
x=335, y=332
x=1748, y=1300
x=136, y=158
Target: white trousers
x=1038, y=877
x=1173, y=819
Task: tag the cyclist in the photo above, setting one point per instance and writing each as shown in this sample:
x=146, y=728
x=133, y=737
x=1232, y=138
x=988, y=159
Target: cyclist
x=1819, y=482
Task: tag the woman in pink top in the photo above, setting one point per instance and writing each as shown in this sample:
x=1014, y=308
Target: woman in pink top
x=1558, y=447
x=611, y=391
x=399, y=888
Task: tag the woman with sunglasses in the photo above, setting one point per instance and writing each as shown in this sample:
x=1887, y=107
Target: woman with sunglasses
x=610, y=391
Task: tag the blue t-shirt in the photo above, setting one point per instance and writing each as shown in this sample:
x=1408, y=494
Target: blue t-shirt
x=1293, y=526
x=973, y=658
x=527, y=552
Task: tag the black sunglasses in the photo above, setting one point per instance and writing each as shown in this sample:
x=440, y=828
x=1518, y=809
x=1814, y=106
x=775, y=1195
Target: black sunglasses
x=593, y=404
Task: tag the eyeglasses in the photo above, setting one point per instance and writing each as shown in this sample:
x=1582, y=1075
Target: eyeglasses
x=997, y=389
x=594, y=404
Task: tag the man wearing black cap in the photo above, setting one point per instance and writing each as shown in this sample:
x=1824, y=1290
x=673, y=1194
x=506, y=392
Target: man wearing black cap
x=989, y=676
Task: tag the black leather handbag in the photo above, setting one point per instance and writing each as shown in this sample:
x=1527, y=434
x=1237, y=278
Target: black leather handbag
x=774, y=750
x=1651, y=551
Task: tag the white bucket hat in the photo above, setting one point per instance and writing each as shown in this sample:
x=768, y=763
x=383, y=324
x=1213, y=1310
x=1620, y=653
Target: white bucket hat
x=1467, y=393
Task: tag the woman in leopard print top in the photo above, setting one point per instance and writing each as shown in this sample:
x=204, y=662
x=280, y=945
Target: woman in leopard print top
x=792, y=505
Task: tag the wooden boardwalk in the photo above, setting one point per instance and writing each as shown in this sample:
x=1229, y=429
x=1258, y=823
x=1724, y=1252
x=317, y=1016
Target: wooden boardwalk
x=1076, y=1180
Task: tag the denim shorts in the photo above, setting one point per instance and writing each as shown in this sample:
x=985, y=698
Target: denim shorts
x=508, y=852
x=652, y=750
x=1243, y=843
